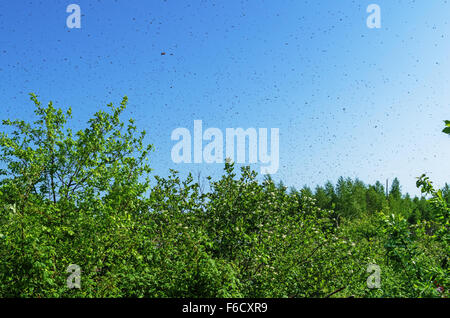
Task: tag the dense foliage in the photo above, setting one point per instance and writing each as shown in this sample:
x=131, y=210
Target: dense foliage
x=86, y=198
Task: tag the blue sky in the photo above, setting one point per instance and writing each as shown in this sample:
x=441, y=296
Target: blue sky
x=348, y=100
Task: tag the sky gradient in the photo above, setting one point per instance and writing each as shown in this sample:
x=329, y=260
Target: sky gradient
x=348, y=100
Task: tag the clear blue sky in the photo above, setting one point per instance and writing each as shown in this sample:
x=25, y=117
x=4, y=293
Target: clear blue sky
x=348, y=100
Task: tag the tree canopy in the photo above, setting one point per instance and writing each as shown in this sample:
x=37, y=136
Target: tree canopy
x=88, y=198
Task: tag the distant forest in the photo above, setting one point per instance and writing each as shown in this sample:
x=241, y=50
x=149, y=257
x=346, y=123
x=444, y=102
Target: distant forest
x=354, y=199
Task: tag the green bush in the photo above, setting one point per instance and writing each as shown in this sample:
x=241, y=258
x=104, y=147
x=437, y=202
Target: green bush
x=86, y=198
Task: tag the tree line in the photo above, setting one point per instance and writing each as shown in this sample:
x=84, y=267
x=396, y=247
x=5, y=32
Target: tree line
x=88, y=198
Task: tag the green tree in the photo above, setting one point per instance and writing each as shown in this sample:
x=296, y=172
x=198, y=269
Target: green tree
x=75, y=199
x=375, y=198
x=395, y=193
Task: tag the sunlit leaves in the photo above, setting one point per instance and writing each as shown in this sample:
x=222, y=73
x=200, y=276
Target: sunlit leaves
x=447, y=127
x=86, y=198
